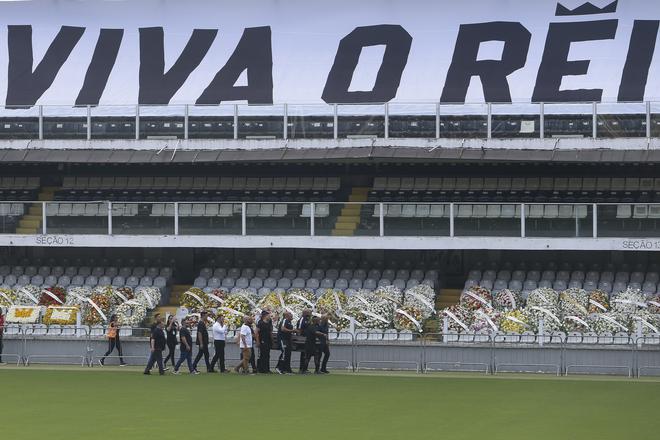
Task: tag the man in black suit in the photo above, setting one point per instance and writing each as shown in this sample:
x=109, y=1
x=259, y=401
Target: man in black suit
x=158, y=343
x=302, y=324
x=203, y=343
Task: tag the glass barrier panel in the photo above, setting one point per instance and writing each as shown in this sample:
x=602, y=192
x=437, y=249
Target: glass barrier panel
x=361, y=121
x=621, y=120
x=463, y=121
x=412, y=120
x=138, y=218
x=515, y=120
x=414, y=219
x=629, y=220
x=261, y=121
x=19, y=122
x=11, y=214
x=655, y=119
x=210, y=218
x=271, y=218
x=345, y=219
x=162, y=121
x=65, y=122
x=314, y=121
x=558, y=220
x=568, y=120
x=76, y=218
x=486, y=220
x=211, y=121
x=113, y=122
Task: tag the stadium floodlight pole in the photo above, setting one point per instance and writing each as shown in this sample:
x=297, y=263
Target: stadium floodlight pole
x=285, y=131
x=312, y=206
x=542, y=120
x=185, y=121
x=648, y=120
x=41, y=122
x=594, y=120
x=243, y=218
x=89, y=122
x=387, y=120
x=235, y=121
x=595, y=221
x=490, y=120
x=176, y=218
x=335, y=119
x=522, y=220
x=137, y=122
x=381, y=219
x=451, y=220
x=43, y=218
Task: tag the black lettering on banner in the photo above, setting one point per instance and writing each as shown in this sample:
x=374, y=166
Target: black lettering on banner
x=397, y=43
x=492, y=73
x=98, y=72
x=254, y=54
x=24, y=86
x=640, y=54
x=555, y=65
x=157, y=87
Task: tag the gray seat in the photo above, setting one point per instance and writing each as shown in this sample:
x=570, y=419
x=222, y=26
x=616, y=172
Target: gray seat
x=312, y=283
x=607, y=276
x=402, y=274
x=649, y=288
x=486, y=284
x=605, y=286
x=504, y=275
x=71, y=271
x=10, y=279
x=637, y=277
x=215, y=282
x=98, y=271
x=283, y=283
x=490, y=275
x=346, y=274
x=125, y=272
x=592, y=275
x=247, y=273
x=530, y=285
x=23, y=280
x=560, y=284
x=545, y=284
x=91, y=281
x=257, y=283
x=200, y=282
x=563, y=275
x=153, y=272
x=474, y=274
x=361, y=274
x=289, y=273
x=44, y=271
x=57, y=271
x=139, y=271
x=132, y=281
x=272, y=283
x=518, y=275
x=619, y=286
x=146, y=281
x=167, y=272
x=261, y=273
x=500, y=285
x=399, y=283
x=575, y=284
x=548, y=275
x=327, y=283
x=111, y=272
x=412, y=283
x=332, y=274
x=305, y=274
x=263, y=292
x=50, y=280
x=104, y=281
x=577, y=275
x=652, y=277
x=384, y=282
x=228, y=282
x=160, y=282
x=276, y=273
x=78, y=280
x=5, y=270
x=622, y=277
x=370, y=283
x=374, y=274
x=590, y=285
x=534, y=275
x=219, y=272
x=355, y=283
x=30, y=271
x=63, y=281
x=37, y=280
x=297, y=283
x=431, y=274
x=242, y=283
x=319, y=274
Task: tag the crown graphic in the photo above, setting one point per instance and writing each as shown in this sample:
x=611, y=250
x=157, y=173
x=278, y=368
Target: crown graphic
x=585, y=9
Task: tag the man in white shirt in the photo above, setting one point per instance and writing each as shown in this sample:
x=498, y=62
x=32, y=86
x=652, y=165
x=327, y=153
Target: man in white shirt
x=219, y=337
x=245, y=344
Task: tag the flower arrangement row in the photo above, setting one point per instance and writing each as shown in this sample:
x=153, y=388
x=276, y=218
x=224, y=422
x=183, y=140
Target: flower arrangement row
x=571, y=310
x=56, y=305
x=386, y=307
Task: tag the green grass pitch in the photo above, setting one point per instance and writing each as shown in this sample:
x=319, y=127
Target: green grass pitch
x=77, y=403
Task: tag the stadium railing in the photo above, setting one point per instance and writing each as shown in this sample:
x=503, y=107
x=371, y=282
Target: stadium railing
x=404, y=351
x=569, y=220
x=334, y=121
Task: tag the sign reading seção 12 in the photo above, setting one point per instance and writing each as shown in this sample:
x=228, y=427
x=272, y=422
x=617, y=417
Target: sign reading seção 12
x=68, y=52
x=54, y=240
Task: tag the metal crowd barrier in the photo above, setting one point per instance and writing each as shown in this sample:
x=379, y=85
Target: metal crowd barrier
x=555, y=353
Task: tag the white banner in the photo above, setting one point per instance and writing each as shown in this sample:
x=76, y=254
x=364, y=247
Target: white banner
x=109, y=52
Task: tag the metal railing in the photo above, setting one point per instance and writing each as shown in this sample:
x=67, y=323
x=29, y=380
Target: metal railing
x=384, y=219
x=424, y=353
x=334, y=121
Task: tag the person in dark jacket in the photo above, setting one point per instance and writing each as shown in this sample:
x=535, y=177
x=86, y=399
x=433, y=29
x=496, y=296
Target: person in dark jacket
x=312, y=333
x=284, y=332
x=264, y=342
x=170, y=329
x=302, y=324
x=203, y=343
x=185, y=349
x=158, y=343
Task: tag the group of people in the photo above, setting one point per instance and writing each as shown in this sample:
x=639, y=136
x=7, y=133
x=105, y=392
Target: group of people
x=169, y=334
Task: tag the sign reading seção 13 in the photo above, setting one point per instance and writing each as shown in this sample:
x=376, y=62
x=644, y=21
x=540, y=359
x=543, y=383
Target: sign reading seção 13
x=71, y=52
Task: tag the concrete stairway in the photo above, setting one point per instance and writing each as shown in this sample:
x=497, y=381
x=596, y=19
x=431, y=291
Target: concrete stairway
x=349, y=219
x=446, y=298
x=31, y=222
